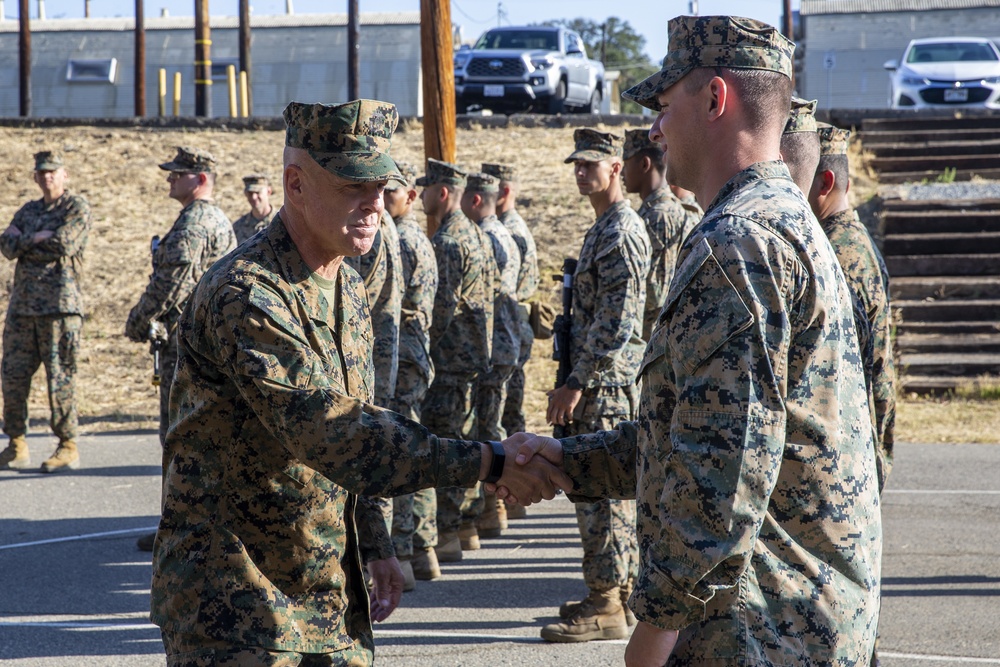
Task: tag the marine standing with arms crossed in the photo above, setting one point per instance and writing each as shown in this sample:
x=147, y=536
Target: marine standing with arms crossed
x=45, y=314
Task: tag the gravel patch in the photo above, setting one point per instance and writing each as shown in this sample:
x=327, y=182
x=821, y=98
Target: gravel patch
x=941, y=191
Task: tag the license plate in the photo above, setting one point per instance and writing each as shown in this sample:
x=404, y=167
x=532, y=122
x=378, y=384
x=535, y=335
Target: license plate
x=956, y=95
x=492, y=91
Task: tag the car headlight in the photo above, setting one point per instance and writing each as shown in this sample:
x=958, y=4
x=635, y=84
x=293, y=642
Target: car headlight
x=914, y=81
x=542, y=63
x=992, y=79
x=462, y=60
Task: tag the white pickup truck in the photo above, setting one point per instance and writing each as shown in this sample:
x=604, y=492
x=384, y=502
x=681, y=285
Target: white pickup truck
x=528, y=68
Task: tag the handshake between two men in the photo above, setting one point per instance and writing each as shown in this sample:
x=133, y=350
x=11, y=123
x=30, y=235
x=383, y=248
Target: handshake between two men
x=532, y=471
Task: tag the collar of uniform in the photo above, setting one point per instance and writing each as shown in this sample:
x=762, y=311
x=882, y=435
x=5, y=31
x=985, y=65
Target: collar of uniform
x=450, y=218
x=755, y=172
x=841, y=218
x=612, y=211
x=659, y=194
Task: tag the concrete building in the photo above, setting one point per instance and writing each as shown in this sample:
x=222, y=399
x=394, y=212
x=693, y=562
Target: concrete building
x=85, y=67
x=847, y=43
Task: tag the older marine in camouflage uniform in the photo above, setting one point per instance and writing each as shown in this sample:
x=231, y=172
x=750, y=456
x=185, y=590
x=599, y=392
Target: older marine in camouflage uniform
x=461, y=329
x=527, y=285
x=200, y=236
x=257, y=189
x=752, y=455
x=668, y=219
x=609, y=294
x=273, y=439
x=868, y=280
x=47, y=238
x=414, y=517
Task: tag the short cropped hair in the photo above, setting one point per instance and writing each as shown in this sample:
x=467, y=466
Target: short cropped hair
x=766, y=95
x=840, y=166
x=800, y=151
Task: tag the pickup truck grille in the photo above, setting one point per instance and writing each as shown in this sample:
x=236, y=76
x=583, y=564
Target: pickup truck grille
x=498, y=67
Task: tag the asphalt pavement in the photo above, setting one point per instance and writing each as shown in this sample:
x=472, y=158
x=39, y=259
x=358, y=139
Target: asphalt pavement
x=74, y=590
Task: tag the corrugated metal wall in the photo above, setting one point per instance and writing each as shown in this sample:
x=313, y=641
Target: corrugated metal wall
x=304, y=63
x=859, y=44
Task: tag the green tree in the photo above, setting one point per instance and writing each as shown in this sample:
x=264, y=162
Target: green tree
x=618, y=46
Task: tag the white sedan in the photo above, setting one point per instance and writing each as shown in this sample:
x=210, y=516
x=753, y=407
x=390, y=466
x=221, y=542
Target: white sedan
x=946, y=72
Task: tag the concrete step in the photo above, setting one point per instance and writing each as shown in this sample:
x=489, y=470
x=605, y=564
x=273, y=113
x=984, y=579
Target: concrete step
x=922, y=205
x=915, y=288
x=950, y=310
x=938, y=221
x=925, y=385
x=944, y=123
x=951, y=364
x=872, y=139
x=921, y=174
x=941, y=244
x=954, y=328
x=934, y=163
x=946, y=343
x=943, y=265
x=986, y=145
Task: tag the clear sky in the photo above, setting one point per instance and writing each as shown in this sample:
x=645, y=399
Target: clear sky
x=647, y=17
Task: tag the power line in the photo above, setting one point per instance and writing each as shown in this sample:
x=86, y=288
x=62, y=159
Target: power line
x=462, y=12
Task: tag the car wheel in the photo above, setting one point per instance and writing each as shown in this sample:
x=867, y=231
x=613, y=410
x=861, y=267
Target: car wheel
x=595, y=103
x=557, y=103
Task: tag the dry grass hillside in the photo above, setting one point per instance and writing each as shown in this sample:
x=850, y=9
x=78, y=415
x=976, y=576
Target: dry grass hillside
x=116, y=169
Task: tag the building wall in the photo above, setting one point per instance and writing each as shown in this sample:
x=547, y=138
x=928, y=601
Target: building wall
x=306, y=63
x=858, y=45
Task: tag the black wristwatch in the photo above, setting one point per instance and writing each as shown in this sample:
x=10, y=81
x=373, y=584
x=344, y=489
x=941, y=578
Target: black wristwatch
x=496, y=467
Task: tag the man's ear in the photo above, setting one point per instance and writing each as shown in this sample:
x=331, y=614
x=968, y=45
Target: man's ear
x=718, y=92
x=829, y=182
x=411, y=196
x=292, y=180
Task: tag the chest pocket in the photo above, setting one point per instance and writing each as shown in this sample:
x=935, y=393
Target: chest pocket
x=703, y=310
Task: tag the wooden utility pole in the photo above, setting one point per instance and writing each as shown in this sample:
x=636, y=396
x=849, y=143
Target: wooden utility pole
x=245, y=50
x=437, y=56
x=789, y=24
x=140, y=60
x=353, y=51
x=24, y=57
x=202, y=60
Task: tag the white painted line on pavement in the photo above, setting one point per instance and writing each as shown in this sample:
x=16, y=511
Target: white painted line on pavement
x=940, y=658
x=952, y=492
x=74, y=538
x=527, y=639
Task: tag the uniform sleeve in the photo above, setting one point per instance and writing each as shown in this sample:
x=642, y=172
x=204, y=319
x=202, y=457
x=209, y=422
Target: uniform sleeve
x=620, y=301
x=423, y=285
x=449, y=287
x=602, y=465
x=70, y=237
x=374, y=540
x=13, y=246
x=173, y=279
x=883, y=389
x=366, y=450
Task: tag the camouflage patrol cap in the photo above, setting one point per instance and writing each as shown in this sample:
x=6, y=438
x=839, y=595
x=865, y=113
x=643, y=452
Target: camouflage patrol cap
x=802, y=116
x=408, y=176
x=505, y=172
x=482, y=182
x=190, y=161
x=48, y=161
x=349, y=140
x=256, y=183
x=594, y=146
x=833, y=140
x=442, y=172
x=714, y=41
x=637, y=141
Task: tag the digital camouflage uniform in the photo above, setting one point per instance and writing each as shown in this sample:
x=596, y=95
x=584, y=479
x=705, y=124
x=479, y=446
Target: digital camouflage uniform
x=752, y=456
x=415, y=515
x=45, y=312
x=527, y=284
x=461, y=330
x=868, y=281
x=201, y=235
x=273, y=439
x=609, y=294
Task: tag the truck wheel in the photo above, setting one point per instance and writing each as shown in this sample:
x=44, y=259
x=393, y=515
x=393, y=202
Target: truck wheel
x=595, y=103
x=557, y=103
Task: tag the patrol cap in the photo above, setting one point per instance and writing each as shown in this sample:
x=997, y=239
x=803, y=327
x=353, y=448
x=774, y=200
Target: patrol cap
x=256, y=183
x=349, y=140
x=594, y=146
x=190, y=161
x=481, y=182
x=714, y=41
x=48, y=161
x=439, y=171
x=637, y=141
x=408, y=176
x=802, y=116
x=833, y=140
x=505, y=172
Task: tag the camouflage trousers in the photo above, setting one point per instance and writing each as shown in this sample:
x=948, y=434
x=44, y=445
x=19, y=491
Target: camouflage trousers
x=414, y=515
x=185, y=650
x=607, y=527
x=30, y=341
x=490, y=396
x=448, y=412
x=168, y=364
x=513, y=409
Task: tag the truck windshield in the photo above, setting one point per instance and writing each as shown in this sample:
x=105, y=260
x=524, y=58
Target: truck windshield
x=545, y=40
x=948, y=52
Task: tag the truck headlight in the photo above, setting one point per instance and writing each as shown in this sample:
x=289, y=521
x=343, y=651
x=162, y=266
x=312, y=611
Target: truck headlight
x=461, y=60
x=541, y=63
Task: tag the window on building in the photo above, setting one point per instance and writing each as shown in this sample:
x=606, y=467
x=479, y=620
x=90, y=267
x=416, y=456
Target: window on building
x=96, y=70
x=220, y=66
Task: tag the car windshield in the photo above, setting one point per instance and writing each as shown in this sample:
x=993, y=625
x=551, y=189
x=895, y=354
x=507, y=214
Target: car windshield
x=546, y=40
x=948, y=52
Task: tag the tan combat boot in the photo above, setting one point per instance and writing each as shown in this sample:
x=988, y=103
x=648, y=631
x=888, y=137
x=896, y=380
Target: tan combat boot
x=66, y=457
x=449, y=548
x=567, y=609
x=516, y=512
x=468, y=537
x=16, y=456
x=409, y=581
x=425, y=564
x=493, y=521
x=599, y=616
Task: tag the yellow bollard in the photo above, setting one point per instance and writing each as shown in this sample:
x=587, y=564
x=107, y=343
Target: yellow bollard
x=231, y=76
x=244, y=95
x=162, y=108
x=177, y=93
